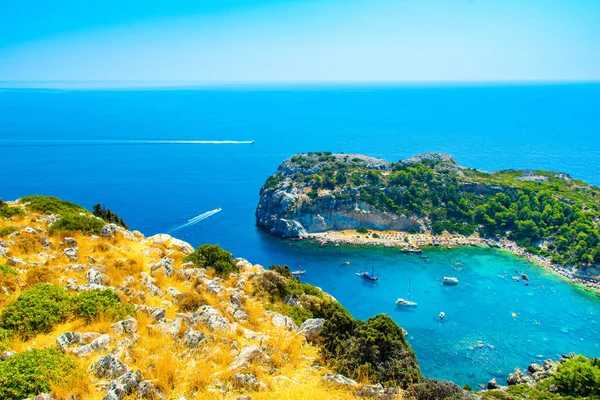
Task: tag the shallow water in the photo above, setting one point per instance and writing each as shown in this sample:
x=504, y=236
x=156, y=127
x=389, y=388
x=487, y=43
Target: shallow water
x=157, y=187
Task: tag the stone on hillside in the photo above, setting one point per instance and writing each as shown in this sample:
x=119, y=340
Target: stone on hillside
x=72, y=253
x=311, y=329
x=68, y=339
x=123, y=385
x=213, y=287
x=181, y=246
x=123, y=347
x=339, y=380
x=155, y=312
x=15, y=261
x=165, y=265
x=94, y=277
x=371, y=390
x=68, y=242
x=109, y=230
x=147, y=391
x=30, y=230
x=100, y=343
x=247, y=382
x=250, y=354
x=159, y=239
x=109, y=367
x=193, y=273
x=126, y=326
x=240, y=315
x=212, y=318
x=167, y=326
x=243, y=264
x=173, y=292
x=3, y=251
x=193, y=338
x=5, y=355
x=148, y=281
x=281, y=321
x=43, y=396
x=46, y=243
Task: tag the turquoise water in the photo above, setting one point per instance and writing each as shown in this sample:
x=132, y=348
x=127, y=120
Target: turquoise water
x=157, y=187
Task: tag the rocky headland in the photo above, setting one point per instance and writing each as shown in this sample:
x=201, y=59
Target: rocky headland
x=429, y=200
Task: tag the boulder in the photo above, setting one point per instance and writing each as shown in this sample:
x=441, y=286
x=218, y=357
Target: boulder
x=247, y=382
x=535, y=368
x=72, y=253
x=126, y=326
x=339, y=381
x=193, y=338
x=370, y=390
x=3, y=251
x=167, y=326
x=15, y=261
x=109, y=366
x=165, y=265
x=109, y=230
x=30, y=230
x=68, y=339
x=5, y=355
x=146, y=390
x=68, y=242
x=123, y=385
x=94, y=277
x=213, y=287
x=311, y=329
x=212, y=318
x=250, y=354
x=492, y=384
x=517, y=377
x=100, y=343
x=154, y=312
x=281, y=321
x=181, y=246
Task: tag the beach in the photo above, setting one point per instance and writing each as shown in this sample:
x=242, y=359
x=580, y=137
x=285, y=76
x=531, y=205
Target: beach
x=415, y=243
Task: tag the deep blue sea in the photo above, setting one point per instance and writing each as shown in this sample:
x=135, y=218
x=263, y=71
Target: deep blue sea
x=63, y=143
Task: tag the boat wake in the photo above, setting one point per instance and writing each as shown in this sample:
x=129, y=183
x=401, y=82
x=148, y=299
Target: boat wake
x=195, y=220
x=76, y=142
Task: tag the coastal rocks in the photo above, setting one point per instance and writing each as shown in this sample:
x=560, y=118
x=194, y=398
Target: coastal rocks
x=126, y=326
x=378, y=392
x=339, y=381
x=311, y=329
x=517, y=377
x=171, y=243
x=492, y=384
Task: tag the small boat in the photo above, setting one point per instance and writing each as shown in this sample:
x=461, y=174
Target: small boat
x=442, y=315
x=252, y=142
x=400, y=302
x=299, y=272
x=370, y=276
x=450, y=281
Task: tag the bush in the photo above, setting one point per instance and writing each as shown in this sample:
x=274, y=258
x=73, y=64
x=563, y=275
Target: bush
x=51, y=205
x=8, y=212
x=8, y=277
x=95, y=303
x=283, y=270
x=32, y=372
x=77, y=222
x=362, y=230
x=7, y=230
x=579, y=377
x=213, y=256
x=5, y=338
x=36, y=311
x=38, y=275
x=432, y=389
x=107, y=215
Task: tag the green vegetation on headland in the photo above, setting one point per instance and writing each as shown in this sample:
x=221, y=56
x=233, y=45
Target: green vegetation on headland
x=548, y=213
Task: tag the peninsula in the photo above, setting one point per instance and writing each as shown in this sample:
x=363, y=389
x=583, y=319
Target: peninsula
x=429, y=200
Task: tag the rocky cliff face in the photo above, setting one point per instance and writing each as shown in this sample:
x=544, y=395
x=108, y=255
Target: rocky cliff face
x=287, y=209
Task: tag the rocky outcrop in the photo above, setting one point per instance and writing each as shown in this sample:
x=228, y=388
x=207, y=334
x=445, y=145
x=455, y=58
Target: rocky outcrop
x=311, y=329
x=286, y=210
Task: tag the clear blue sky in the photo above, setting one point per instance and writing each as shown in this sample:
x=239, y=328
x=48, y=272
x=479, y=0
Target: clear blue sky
x=300, y=41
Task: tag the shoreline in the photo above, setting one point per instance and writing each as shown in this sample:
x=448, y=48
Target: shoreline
x=415, y=243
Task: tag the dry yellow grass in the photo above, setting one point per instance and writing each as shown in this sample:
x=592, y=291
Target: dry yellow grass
x=175, y=369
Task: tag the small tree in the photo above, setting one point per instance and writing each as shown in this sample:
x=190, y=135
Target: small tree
x=213, y=256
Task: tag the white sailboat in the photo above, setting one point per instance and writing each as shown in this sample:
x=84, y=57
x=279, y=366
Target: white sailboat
x=400, y=302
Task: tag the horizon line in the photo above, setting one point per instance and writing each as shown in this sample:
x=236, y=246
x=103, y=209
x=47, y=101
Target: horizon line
x=158, y=84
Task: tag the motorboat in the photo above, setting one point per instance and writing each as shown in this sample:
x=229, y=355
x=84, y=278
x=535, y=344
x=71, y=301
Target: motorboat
x=400, y=302
x=299, y=272
x=450, y=281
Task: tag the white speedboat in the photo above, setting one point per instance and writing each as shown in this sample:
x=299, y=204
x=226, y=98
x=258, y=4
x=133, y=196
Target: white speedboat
x=450, y=281
x=299, y=272
x=405, y=303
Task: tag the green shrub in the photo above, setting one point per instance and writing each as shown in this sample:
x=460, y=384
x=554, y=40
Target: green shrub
x=432, y=389
x=7, y=270
x=5, y=338
x=283, y=270
x=77, y=222
x=36, y=311
x=7, y=211
x=107, y=215
x=94, y=303
x=578, y=376
x=362, y=230
x=32, y=372
x=7, y=230
x=313, y=194
x=213, y=256
x=51, y=205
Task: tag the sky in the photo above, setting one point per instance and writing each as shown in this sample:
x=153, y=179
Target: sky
x=272, y=41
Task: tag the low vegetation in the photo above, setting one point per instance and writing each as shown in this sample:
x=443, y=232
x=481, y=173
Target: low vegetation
x=8, y=212
x=107, y=215
x=213, y=256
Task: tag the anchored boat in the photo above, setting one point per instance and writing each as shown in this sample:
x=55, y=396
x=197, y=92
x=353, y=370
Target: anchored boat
x=369, y=276
x=400, y=302
x=450, y=281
